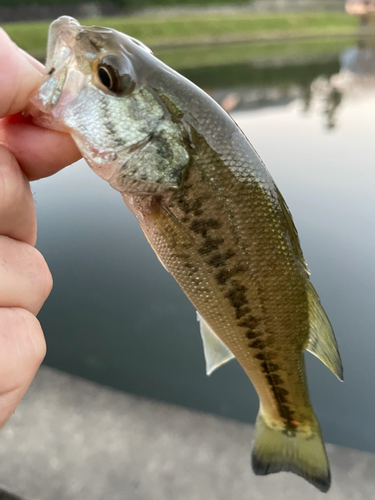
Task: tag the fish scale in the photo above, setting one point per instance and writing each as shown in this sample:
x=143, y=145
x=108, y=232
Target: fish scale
x=211, y=298
x=214, y=217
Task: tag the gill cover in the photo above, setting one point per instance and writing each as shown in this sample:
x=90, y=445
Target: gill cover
x=97, y=88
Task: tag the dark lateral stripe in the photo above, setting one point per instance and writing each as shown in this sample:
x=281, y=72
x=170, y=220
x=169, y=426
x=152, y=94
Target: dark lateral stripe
x=248, y=322
x=261, y=356
x=275, y=382
x=224, y=275
x=209, y=245
x=258, y=344
x=218, y=259
x=252, y=335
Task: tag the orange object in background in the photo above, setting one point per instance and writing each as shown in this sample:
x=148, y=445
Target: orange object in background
x=360, y=7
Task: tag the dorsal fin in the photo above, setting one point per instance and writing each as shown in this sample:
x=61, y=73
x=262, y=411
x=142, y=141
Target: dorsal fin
x=292, y=231
x=216, y=353
x=322, y=342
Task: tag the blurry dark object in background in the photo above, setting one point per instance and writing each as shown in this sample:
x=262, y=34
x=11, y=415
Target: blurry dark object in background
x=29, y=10
x=5, y=495
x=33, y=10
x=24, y=10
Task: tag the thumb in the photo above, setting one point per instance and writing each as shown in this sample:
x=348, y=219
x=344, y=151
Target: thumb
x=19, y=79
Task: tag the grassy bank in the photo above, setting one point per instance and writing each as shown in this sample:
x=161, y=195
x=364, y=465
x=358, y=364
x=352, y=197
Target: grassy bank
x=162, y=33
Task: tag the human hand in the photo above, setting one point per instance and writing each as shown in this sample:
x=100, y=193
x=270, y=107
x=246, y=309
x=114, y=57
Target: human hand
x=27, y=152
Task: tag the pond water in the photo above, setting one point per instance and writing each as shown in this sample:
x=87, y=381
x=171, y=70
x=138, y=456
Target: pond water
x=117, y=317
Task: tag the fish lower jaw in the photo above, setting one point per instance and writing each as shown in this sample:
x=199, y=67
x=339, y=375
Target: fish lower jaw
x=44, y=117
x=46, y=120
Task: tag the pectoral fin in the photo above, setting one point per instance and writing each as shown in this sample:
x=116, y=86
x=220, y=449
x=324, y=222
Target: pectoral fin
x=322, y=342
x=216, y=353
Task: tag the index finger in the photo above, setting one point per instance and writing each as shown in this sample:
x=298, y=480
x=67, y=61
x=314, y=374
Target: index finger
x=40, y=152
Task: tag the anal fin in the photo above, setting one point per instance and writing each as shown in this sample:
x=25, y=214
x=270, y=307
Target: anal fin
x=322, y=342
x=216, y=353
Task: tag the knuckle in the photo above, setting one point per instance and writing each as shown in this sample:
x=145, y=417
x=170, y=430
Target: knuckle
x=34, y=335
x=23, y=348
x=11, y=179
x=40, y=275
x=29, y=338
x=25, y=279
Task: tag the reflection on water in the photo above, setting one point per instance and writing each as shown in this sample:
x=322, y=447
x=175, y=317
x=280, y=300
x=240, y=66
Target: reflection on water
x=251, y=86
x=116, y=316
x=356, y=79
x=319, y=84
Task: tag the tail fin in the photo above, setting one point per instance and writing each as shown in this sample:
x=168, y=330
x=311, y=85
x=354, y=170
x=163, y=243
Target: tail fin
x=298, y=451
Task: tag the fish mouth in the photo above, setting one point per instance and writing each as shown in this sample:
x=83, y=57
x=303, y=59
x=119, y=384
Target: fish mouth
x=61, y=40
x=64, y=79
x=60, y=58
x=65, y=35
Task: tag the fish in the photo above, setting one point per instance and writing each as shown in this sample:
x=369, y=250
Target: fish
x=214, y=217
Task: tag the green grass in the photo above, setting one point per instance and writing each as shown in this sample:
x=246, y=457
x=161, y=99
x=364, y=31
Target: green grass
x=193, y=29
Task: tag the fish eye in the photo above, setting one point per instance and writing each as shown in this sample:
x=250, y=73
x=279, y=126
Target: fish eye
x=105, y=77
x=115, y=74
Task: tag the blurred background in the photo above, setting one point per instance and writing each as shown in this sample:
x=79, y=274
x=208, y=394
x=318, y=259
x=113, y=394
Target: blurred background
x=298, y=76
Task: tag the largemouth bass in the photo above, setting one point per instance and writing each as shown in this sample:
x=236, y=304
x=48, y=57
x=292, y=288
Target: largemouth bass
x=213, y=215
